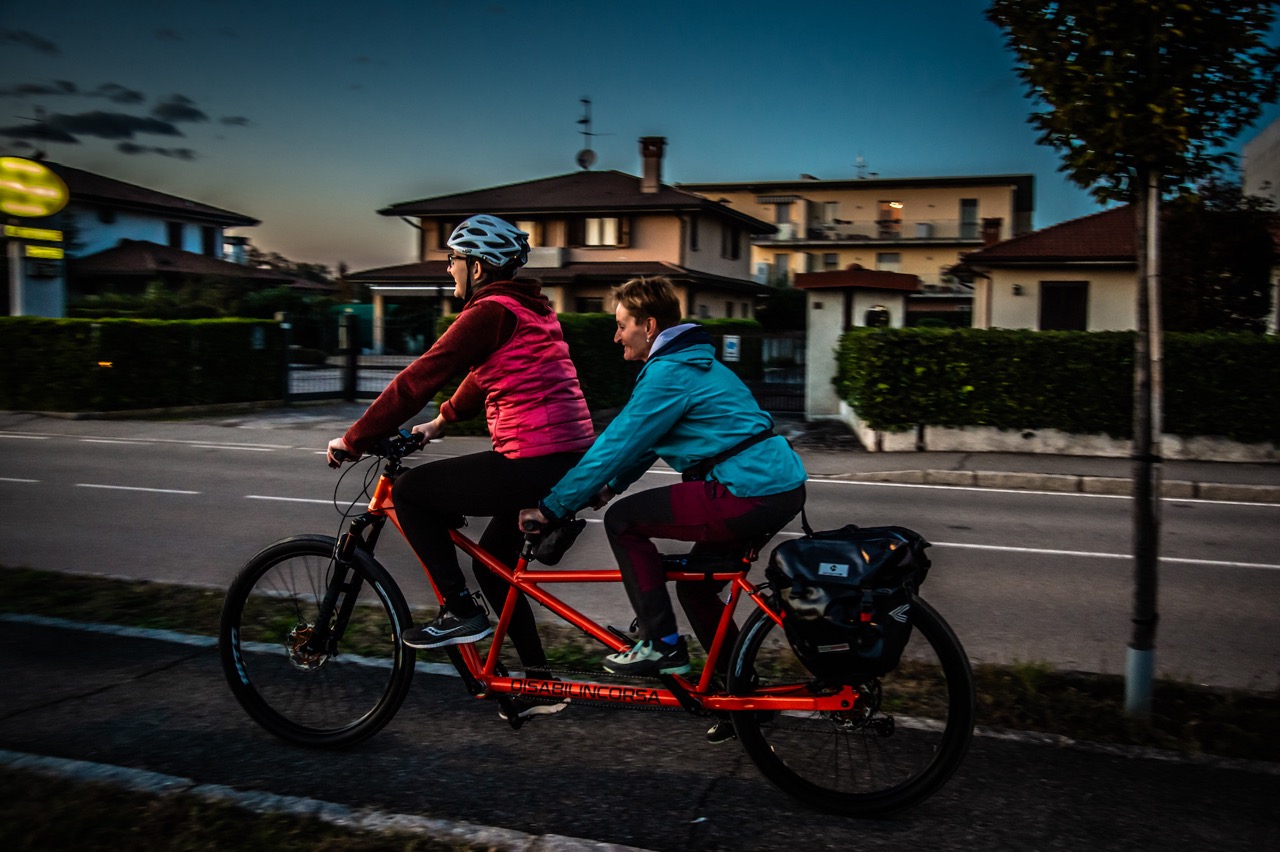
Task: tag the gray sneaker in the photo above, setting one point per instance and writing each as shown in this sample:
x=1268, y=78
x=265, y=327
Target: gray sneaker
x=448, y=629
x=650, y=658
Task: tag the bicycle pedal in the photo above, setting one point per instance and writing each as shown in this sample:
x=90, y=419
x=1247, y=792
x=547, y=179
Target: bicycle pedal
x=512, y=711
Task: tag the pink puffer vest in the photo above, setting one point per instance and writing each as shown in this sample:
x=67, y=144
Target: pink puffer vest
x=534, y=405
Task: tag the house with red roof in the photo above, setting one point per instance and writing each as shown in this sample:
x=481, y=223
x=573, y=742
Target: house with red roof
x=590, y=231
x=1078, y=275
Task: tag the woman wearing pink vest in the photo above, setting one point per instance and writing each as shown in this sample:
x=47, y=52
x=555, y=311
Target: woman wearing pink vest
x=508, y=341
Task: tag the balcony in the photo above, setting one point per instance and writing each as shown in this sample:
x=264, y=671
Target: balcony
x=877, y=230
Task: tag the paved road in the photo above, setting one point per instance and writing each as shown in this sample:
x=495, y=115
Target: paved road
x=639, y=779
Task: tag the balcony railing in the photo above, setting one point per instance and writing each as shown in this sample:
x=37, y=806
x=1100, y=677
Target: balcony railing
x=861, y=230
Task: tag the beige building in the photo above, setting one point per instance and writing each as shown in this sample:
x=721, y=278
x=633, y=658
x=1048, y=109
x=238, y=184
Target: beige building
x=916, y=226
x=1078, y=275
x=589, y=231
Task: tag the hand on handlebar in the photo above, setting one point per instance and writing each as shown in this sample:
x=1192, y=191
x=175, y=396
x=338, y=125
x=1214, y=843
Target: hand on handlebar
x=532, y=520
x=431, y=430
x=339, y=452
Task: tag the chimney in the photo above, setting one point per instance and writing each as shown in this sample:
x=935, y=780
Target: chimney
x=991, y=230
x=651, y=148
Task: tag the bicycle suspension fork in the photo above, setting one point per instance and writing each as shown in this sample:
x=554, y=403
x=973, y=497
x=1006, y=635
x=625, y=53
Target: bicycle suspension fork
x=344, y=583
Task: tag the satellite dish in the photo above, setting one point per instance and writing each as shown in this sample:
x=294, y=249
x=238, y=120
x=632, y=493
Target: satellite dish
x=586, y=158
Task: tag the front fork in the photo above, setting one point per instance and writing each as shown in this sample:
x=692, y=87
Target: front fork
x=343, y=585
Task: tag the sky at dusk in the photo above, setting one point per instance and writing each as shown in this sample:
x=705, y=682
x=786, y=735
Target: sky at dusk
x=311, y=116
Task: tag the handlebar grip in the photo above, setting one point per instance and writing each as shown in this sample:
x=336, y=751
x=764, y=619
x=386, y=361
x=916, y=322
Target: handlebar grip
x=531, y=527
x=341, y=456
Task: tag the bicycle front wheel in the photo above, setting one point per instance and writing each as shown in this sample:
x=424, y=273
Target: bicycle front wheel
x=902, y=740
x=331, y=692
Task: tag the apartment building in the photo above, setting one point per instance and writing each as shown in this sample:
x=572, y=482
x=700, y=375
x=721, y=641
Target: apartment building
x=916, y=226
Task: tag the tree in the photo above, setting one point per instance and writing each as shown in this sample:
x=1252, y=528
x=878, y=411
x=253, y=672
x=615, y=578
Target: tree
x=1216, y=260
x=1142, y=95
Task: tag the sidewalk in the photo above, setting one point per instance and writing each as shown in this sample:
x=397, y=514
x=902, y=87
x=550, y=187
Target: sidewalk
x=830, y=451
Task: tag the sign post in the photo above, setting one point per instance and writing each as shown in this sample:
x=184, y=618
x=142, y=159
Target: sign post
x=29, y=190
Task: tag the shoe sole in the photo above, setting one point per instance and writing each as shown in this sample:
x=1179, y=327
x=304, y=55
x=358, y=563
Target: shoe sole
x=423, y=645
x=673, y=670
x=538, y=710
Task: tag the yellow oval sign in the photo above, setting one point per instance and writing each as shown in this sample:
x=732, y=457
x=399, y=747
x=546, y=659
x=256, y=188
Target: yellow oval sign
x=30, y=189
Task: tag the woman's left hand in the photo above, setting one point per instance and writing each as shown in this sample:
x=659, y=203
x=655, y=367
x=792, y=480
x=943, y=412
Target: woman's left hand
x=533, y=516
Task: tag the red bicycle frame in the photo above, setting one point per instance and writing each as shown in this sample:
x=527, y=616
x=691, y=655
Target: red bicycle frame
x=678, y=691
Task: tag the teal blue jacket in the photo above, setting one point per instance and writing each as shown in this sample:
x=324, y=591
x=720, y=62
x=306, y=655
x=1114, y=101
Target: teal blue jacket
x=686, y=407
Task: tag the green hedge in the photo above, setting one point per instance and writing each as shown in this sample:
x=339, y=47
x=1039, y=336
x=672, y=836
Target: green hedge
x=1080, y=382
x=121, y=365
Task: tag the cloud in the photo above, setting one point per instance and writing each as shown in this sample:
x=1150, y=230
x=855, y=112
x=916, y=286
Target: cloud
x=166, y=34
x=41, y=131
x=31, y=40
x=111, y=125
x=178, y=108
x=118, y=94
x=26, y=90
x=133, y=148
x=235, y=121
x=65, y=88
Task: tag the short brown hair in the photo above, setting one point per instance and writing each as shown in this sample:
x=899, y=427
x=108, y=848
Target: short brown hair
x=650, y=297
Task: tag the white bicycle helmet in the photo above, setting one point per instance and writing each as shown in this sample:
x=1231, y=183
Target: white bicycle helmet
x=491, y=239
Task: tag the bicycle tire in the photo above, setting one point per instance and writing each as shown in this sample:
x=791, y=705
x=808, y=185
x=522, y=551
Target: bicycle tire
x=314, y=699
x=893, y=750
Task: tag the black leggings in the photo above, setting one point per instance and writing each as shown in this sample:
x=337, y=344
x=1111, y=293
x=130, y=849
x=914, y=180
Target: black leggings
x=432, y=499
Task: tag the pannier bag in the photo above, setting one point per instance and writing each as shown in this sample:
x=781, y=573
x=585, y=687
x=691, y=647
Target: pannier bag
x=846, y=598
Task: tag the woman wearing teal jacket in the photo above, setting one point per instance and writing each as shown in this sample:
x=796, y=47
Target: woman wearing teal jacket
x=742, y=483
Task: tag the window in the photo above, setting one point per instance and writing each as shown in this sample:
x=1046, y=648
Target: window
x=782, y=213
x=209, y=241
x=731, y=242
x=890, y=221
x=174, y=234
x=830, y=260
x=728, y=310
x=889, y=261
x=968, y=218
x=588, y=304
x=693, y=232
x=531, y=228
x=704, y=312
x=781, y=268
x=829, y=211
x=599, y=231
x=106, y=215
x=444, y=229
x=1064, y=305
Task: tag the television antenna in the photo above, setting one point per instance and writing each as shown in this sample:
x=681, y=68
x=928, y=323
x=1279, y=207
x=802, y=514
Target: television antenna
x=587, y=157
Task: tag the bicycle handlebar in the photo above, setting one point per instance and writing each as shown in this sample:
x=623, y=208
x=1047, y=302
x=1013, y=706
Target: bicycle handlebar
x=391, y=448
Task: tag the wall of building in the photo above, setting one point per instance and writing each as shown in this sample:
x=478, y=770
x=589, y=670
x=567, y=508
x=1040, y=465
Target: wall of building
x=93, y=235
x=1111, y=302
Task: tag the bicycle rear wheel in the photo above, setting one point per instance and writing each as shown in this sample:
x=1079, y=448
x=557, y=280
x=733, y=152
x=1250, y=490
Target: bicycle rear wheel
x=900, y=742
x=335, y=695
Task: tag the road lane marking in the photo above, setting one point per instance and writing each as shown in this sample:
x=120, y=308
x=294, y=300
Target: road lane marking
x=1083, y=554
x=232, y=447
x=285, y=499
x=110, y=441
x=988, y=490
x=24, y=437
x=14, y=479
x=134, y=488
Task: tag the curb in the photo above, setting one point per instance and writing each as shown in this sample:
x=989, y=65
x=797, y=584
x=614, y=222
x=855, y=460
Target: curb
x=354, y=819
x=1171, y=489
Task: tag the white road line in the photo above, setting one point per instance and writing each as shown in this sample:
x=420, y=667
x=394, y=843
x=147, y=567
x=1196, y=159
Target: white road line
x=25, y=437
x=12, y=479
x=1083, y=554
x=134, y=488
x=109, y=441
x=284, y=499
x=232, y=447
x=987, y=490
